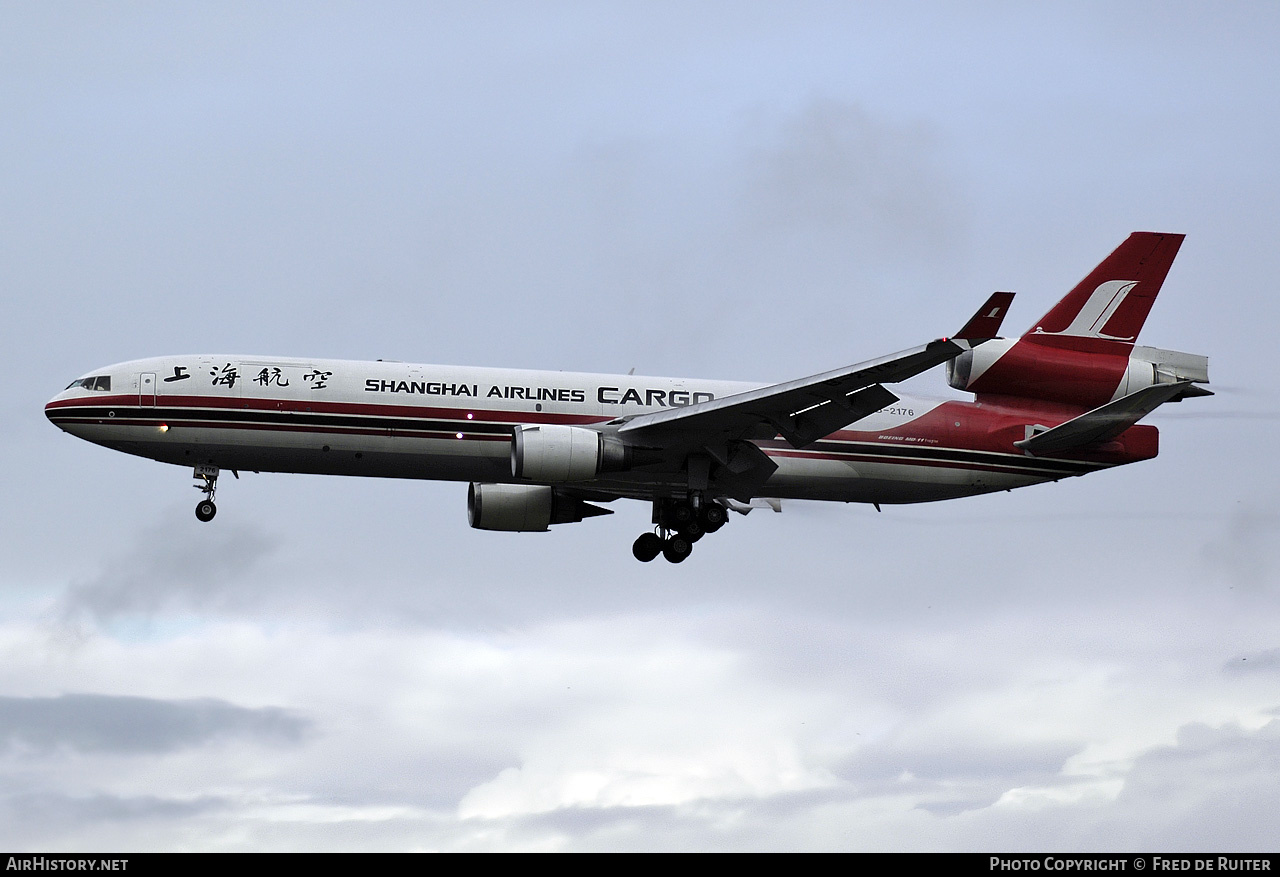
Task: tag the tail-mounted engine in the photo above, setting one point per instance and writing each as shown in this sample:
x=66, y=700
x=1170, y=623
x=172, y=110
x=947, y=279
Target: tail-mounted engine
x=554, y=453
x=1049, y=372
x=524, y=508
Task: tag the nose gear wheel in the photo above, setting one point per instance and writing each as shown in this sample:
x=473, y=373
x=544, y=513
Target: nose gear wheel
x=207, y=483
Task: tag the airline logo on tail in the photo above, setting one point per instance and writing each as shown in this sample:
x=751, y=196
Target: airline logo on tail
x=1104, y=310
x=1099, y=309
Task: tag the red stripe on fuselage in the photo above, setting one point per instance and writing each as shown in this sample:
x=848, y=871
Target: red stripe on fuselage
x=309, y=406
x=286, y=427
x=990, y=425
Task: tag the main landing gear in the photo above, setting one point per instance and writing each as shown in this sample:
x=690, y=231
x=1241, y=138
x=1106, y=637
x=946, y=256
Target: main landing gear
x=680, y=523
x=206, y=481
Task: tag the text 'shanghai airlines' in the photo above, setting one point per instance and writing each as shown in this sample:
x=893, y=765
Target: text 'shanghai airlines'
x=543, y=447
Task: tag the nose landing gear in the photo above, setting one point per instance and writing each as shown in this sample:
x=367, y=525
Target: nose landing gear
x=206, y=481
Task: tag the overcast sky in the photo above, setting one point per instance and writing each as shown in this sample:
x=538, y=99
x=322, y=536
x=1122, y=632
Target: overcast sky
x=722, y=190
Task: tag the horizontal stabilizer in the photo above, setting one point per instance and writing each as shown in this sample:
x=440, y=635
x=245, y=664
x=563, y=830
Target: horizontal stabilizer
x=985, y=324
x=1106, y=422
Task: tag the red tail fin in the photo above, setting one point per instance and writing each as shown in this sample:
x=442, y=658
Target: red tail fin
x=1079, y=352
x=1106, y=310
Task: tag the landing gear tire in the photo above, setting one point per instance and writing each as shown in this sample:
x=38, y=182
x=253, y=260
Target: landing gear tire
x=713, y=517
x=678, y=547
x=679, y=523
x=206, y=477
x=647, y=547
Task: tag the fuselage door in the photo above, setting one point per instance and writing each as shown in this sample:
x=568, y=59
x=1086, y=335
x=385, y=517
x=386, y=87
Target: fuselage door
x=147, y=390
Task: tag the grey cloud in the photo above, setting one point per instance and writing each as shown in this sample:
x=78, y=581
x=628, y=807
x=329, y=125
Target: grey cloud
x=1215, y=788
x=959, y=776
x=1267, y=661
x=49, y=809
x=956, y=806
x=960, y=760
x=836, y=166
x=138, y=725
x=729, y=825
x=1244, y=555
x=173, y=565
x=1218, y=755
x=35, y=820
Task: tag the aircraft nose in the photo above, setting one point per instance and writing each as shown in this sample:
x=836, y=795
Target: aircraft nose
x=50, y=409
x=56, y=410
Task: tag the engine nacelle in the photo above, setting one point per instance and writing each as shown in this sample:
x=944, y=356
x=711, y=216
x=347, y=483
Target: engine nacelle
x=1149, y=366
x=550, y=452
x=524, y=508
x=973, y=363
x=1047, y=371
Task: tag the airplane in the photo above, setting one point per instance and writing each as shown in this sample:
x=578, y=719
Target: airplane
x=542, y=448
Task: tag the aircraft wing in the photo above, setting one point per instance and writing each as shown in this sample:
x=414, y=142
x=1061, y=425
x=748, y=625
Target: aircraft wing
x=803, y=410
x=807, y=409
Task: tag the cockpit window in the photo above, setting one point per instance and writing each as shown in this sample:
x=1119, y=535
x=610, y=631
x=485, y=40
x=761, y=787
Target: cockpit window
x=97, y=382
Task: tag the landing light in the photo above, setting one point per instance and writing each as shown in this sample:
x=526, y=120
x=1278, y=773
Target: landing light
x=459, y=435
x=164, y=427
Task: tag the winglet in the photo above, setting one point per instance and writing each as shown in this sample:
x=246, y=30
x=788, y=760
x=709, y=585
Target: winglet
x=985, y=324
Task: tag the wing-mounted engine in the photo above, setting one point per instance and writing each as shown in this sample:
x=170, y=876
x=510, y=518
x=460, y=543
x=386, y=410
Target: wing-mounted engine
x=1053, y=373
x=551, y=452
x=524, y=508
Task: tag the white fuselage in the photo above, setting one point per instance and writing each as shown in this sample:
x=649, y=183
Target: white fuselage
x=392, y=419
